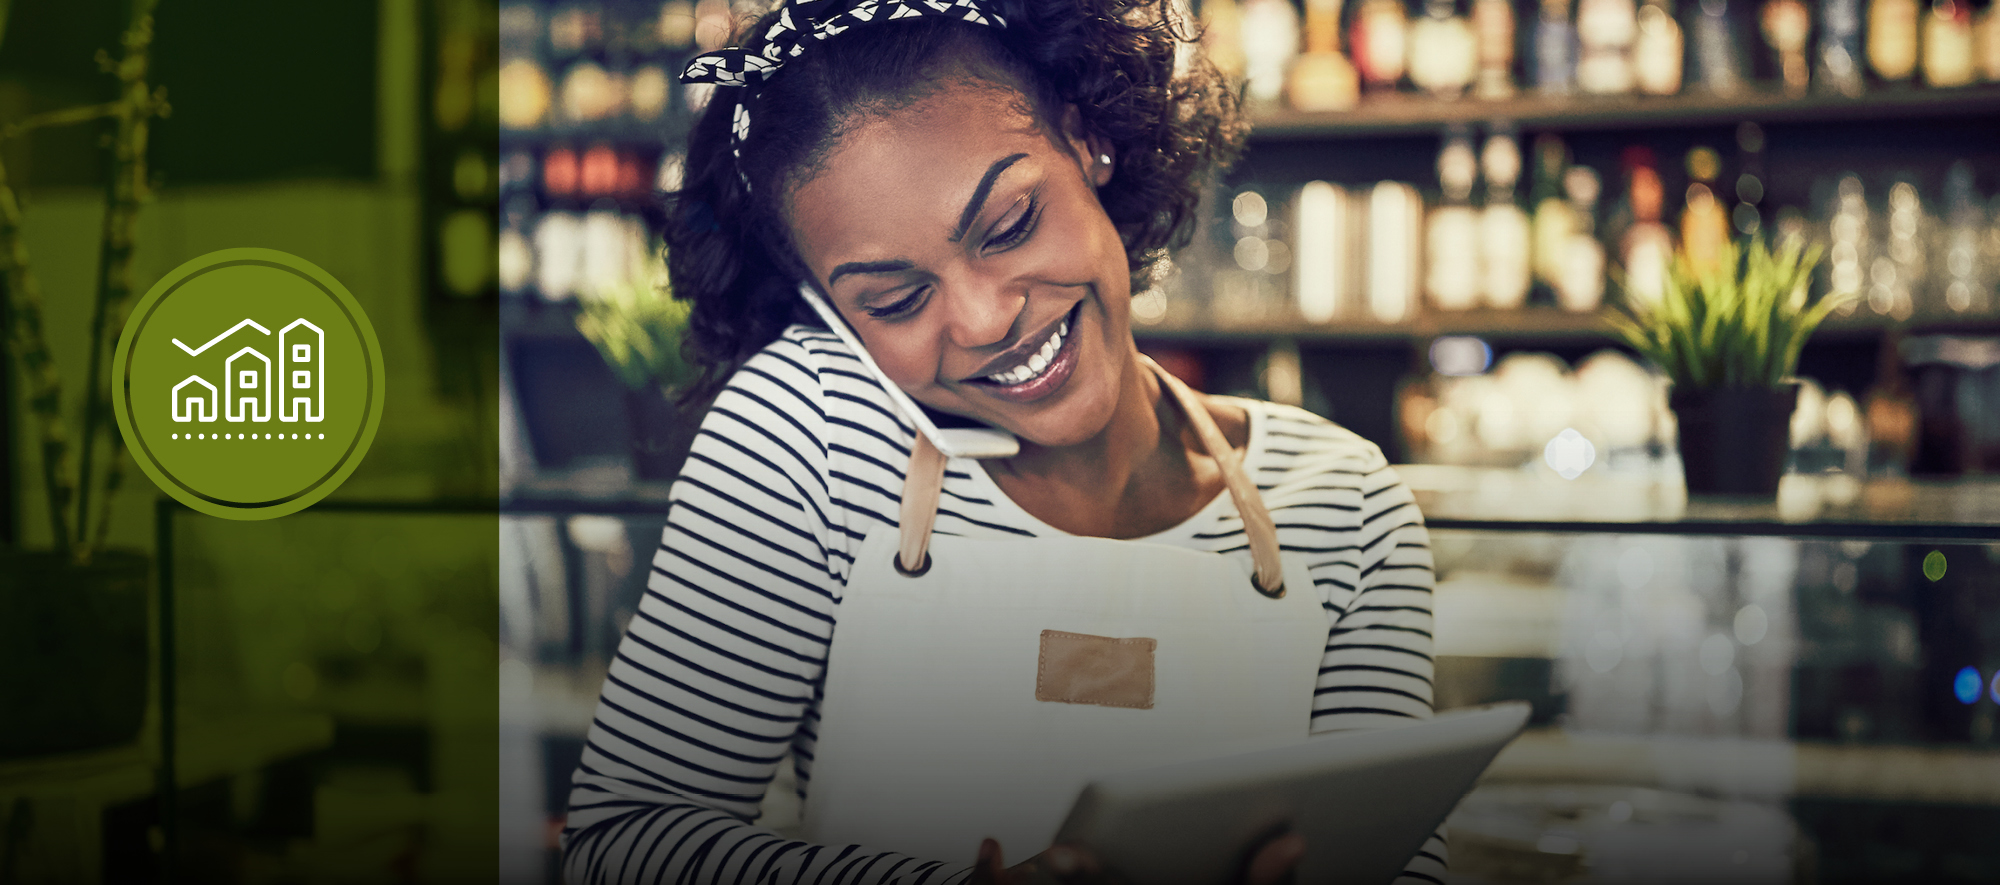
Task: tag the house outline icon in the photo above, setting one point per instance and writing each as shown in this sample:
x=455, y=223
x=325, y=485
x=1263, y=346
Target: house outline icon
x=186, y=409
x=301, y=370
x=255, y=406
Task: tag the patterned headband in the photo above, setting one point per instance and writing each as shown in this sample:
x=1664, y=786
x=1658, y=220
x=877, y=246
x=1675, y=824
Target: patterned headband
x=800, y=24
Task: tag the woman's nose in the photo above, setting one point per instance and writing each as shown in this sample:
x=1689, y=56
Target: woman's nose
x=981, y=312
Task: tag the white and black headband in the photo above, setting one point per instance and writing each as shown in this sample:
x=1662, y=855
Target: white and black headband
x=802, y=23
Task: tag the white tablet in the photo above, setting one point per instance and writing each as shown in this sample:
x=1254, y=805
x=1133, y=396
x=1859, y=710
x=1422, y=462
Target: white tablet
x=1365, y=801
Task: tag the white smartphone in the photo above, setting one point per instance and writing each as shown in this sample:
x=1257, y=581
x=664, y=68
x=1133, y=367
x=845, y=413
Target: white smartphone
x=977, y=441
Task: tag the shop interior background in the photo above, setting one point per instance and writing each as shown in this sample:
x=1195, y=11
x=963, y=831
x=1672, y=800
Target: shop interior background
x=1741, y=703
x=1779, y=709
x=335, y=670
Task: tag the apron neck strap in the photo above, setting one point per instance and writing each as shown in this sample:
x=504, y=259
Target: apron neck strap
x=925, y=481
x=1258, y=526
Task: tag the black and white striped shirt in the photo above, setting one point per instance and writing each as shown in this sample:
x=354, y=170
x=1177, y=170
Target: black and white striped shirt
x=720, y=670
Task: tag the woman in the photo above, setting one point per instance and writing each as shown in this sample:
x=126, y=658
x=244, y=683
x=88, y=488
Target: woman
x=976, y=186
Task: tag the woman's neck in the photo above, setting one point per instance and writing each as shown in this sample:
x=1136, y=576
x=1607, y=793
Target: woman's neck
x=1143, y=473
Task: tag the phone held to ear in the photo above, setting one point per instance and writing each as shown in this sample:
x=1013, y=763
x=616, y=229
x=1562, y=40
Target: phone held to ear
x=971, y=441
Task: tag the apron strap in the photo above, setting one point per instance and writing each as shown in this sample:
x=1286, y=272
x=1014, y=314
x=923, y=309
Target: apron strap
x=1258, y=526
x=919, y=508
x=925, y=481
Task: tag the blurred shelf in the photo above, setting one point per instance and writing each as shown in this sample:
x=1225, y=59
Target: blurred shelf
x=208, y=748
x=1966, y=775
x=604, y=486
x=1413, y=114
x=635, y=136
x=1820, y=506
x=1527, y=325
x=528, y=318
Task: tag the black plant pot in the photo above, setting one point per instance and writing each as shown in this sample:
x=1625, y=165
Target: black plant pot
x=662, y=432
x=73, y=651
x=1734, y=440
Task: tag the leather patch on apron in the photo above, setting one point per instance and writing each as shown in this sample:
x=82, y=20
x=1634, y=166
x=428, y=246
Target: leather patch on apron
x=1077, y=668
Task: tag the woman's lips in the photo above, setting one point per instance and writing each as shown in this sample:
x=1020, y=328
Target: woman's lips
x=1058, y=371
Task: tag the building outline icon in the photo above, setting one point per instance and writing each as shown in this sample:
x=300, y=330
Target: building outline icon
x=293, y=353
x=256, y=405
x=185, y=409
x=252, y=390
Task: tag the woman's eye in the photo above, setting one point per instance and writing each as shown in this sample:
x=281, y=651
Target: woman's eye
x=1017, y=232
x=901, y=307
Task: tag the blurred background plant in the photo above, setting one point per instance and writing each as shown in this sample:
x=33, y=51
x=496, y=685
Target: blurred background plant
x=70, y=486
x=1738, y=321
x=638, y=328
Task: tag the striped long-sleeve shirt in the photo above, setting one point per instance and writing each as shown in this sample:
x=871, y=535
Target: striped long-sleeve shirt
x=719, y=674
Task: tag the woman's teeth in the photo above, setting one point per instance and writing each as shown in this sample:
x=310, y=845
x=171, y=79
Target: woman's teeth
x=1036, y=364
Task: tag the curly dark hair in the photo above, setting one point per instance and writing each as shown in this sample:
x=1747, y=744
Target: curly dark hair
x=1128, y=66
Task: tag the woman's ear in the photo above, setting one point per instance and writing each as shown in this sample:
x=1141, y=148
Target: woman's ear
x=1093, y=152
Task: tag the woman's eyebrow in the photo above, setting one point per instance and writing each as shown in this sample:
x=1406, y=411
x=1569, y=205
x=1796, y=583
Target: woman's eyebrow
x=867, y=267
x=978, y=200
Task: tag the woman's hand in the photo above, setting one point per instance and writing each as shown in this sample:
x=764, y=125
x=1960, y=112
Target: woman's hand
x=1270, y=864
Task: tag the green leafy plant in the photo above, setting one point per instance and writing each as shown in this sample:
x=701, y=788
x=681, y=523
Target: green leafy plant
x=1739, y=322
x=638, y=329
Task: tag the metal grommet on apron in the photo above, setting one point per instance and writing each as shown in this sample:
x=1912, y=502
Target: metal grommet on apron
x=974, y=686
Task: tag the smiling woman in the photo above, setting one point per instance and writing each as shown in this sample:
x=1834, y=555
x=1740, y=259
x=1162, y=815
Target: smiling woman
x=974, y=186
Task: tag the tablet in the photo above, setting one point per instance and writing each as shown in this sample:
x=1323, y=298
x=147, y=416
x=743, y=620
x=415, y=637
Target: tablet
x=1365, y=801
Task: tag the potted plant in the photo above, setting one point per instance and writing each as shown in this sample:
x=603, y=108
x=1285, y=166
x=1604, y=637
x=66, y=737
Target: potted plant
x=73, y=634
x=638, y=328
x=1728, y=335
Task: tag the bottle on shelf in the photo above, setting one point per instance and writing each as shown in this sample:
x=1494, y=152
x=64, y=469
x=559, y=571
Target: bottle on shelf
x=1704, y=222
x=1493, y=25
x=1986, y=43
x=1555, y=215
x=1838, y=61
x=1555, y=49
x=1322, y=266
x=1579, y=283
x=1656, y=50
x=1444, y=52
x=1947, y=44
x=1890, y=412
x=1847, y=229
x=1965, y=286
x=1647, y=247
x=1787, y=28
x=1251, y=286
x=1222, y=38
x=1718, y=53
x=1395, y=224
x=1380, y=42
x=1605, y=30
x=1505, y=246
x=1892, y=39
x=651, y=79
x=676, y=26
x=1901, y=270
x=1451, y=236
x=524, y=94
x=1322, y=79
x=1748, y=215
x=1270, y=41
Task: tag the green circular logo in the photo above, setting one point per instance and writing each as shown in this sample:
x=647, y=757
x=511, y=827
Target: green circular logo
x=248, y=383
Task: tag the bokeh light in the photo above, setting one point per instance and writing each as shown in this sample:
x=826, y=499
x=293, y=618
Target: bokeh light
x=1966, y=685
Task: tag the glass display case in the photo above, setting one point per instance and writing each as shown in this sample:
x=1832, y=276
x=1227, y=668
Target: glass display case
x=1802, y=690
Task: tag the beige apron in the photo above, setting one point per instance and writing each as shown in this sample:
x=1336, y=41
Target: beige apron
x=973, y=695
